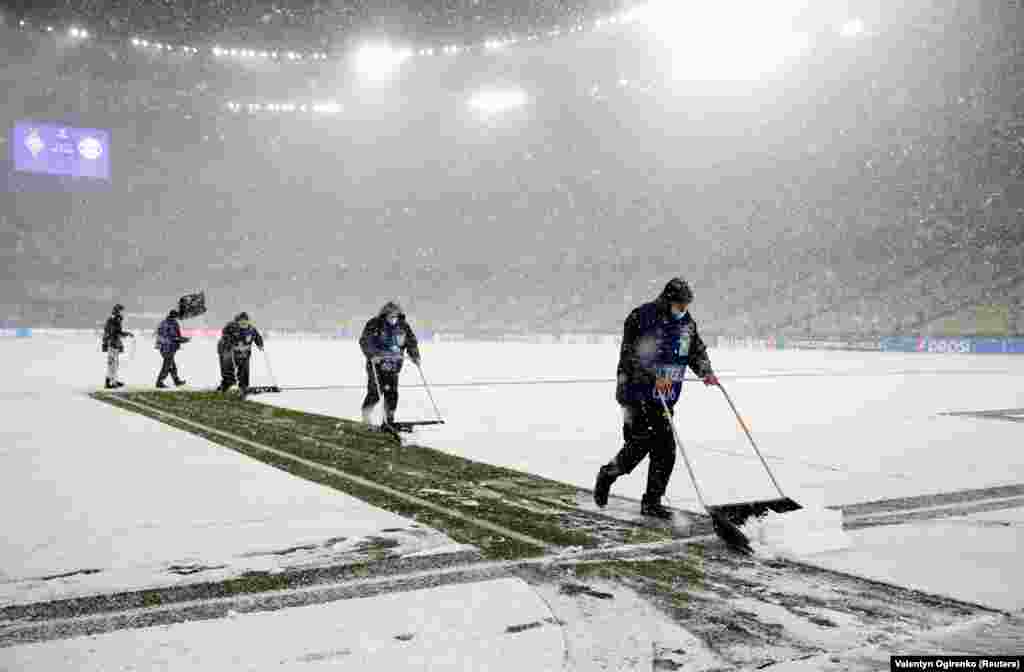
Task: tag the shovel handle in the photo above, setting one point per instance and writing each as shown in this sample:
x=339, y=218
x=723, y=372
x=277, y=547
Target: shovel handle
x=746, y=430
x=682, y=451
x=426, y=386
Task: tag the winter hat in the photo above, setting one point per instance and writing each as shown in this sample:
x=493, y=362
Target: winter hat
x=242, y=317
x=677, y=291
x=118, y=308
x=174, y=313
x=391, y=308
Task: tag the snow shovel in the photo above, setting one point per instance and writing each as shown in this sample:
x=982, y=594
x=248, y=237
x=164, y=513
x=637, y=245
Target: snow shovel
x=737, y=513
x=266, y=388
x=437, y=411
x=409, y=425
x=727, y=530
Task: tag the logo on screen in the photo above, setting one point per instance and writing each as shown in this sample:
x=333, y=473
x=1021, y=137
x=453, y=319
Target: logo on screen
x=34, y=143
x=90, y=148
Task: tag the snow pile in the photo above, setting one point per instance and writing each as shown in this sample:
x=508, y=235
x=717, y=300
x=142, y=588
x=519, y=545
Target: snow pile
x=807, y=531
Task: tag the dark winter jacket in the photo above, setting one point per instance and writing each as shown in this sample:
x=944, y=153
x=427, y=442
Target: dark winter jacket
x=381, y=340
x=235, y=337
x=655, y=344
x=168, y=337
x=113, y=333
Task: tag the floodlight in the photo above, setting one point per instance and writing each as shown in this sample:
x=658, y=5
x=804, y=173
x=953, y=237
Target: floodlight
x=852, y=28
x=377, y=62
x=716, y=41
x=495, y=101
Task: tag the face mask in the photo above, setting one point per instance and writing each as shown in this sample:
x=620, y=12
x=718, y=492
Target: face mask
x=678, y=314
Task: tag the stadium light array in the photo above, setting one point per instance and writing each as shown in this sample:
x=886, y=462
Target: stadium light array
x=707, y=39
x=325, y=108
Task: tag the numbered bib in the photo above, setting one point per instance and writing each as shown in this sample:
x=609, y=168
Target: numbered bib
x=673, y=373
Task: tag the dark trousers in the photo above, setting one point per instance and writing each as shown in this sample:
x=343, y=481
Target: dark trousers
x=169, y=367
x=646, y=432
x=234, y=367
x=388, y=388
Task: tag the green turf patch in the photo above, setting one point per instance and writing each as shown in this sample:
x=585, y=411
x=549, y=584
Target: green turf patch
x=442, y=479
x=670, y=579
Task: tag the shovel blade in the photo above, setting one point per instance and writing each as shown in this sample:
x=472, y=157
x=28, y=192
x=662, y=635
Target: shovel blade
x=408, y=426
x=729, y=518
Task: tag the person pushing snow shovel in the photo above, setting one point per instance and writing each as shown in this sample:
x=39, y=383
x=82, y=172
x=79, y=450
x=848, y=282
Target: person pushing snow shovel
x=234, y=350
x=659, y=341
x=383, y=341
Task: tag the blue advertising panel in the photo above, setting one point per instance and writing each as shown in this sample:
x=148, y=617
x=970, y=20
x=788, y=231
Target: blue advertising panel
x=901, y=344
x=53, y=149
x=990, y=345
x=1015, y=345
x=953, y=346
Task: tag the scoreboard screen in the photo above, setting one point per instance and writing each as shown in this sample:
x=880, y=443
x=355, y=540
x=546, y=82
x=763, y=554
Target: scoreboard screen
x=53, y=149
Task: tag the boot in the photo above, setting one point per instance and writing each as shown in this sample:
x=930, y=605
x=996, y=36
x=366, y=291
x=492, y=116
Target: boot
x=651, y=506
x=160, y=385
x=178, y=382
x=108, y=385
x=118, y=383
x=606, y=475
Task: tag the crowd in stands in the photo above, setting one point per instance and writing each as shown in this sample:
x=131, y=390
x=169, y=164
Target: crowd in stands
x=875, y=202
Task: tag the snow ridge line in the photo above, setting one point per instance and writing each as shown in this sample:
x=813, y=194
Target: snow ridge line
x=14, y=633
x=1010, y=502
x=924, y=502
x=931, y=513
x=412, y=499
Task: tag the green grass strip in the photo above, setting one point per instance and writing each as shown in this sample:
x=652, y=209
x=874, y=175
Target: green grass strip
x=369, y=455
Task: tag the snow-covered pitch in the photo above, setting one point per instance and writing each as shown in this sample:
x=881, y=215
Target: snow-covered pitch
x=86, y=485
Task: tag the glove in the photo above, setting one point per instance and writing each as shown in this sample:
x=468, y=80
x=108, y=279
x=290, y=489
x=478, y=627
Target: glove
x=104, y=348
x=711, y=379
x=129, y=334
x=185, y=339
